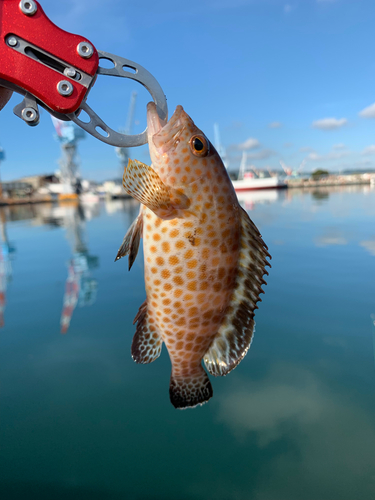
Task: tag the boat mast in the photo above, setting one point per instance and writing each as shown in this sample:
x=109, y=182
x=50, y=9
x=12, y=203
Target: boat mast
x=242, y=166
x=218, y=146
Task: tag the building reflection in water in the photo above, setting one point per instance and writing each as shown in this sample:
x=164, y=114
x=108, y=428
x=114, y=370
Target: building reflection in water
x=80, y=287
x=7, y=251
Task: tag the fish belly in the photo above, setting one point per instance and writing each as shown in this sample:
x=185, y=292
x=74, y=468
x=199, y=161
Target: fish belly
x=190, y=272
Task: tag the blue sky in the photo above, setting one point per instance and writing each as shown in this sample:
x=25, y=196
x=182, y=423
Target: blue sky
x=289, y=80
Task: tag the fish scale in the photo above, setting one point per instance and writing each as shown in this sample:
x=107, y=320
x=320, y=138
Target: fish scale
x=204, y=259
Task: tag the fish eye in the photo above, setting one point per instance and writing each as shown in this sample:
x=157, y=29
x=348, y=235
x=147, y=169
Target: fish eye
x=199, y=145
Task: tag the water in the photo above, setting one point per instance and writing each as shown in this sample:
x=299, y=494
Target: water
x=80, y=420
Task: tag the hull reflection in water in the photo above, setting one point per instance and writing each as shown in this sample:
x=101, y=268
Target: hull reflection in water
x=249, y=199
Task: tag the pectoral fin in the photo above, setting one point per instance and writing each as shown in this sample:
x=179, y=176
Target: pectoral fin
x=144, y=184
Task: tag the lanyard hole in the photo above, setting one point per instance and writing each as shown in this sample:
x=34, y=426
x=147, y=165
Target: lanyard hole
x=129, y=69
x=106, y=63
x=101, y=131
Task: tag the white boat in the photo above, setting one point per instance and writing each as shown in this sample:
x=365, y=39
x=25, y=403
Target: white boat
x=251, y=183
x=249, y=180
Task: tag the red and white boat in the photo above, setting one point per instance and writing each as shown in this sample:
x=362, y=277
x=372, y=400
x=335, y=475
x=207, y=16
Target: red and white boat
x=249, y=180
x=249, y=183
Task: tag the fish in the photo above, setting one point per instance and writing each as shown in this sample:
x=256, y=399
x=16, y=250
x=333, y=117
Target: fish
x=204, y=259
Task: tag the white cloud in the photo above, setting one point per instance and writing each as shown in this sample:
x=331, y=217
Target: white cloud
x=332, y=155
x=339, y=146
x=370, y=150
x=306, y=149
x=369, y=245
x=275, y=125
x=368, y=112
x=329, y=123
x=264, y=407
x=311, y=424
x=261, y=155
x=331, y=236
x=250, y=143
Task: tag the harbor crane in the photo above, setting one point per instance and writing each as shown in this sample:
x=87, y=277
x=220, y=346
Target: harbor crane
x=123, y=153
x=68, y=134
x=290, y=172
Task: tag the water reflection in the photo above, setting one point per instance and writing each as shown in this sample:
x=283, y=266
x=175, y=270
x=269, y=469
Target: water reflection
x=7, y=251
x=80, y=287
x=293, y=421
x=296, y=411
x=320, y=194
x=248, y=200
x=369, y=245
x=331, y=236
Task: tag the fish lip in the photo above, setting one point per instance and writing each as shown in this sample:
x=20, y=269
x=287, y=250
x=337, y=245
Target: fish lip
x=154, y=122
x=163, y=135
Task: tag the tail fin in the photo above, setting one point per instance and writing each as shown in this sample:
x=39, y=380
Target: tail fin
x=190, y=391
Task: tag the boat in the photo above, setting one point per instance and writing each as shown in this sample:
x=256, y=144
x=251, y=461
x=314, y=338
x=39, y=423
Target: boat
x=250, y=179
x=250, y=183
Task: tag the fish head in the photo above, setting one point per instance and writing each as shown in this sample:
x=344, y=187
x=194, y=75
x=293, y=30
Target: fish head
x=179, y=150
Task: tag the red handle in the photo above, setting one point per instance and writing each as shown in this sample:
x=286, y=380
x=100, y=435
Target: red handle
x=30, y=74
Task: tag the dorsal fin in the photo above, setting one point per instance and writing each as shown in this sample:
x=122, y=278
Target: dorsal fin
x=147, y=343
x=130, y=243
x=233, y=339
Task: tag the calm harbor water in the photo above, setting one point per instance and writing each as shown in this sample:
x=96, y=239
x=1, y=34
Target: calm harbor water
x=295, y=421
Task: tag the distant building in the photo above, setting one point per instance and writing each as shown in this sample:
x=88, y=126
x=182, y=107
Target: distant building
x=16, y=189
x=38, y=181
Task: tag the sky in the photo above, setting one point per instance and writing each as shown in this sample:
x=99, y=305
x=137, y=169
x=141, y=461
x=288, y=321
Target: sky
x=284, y=80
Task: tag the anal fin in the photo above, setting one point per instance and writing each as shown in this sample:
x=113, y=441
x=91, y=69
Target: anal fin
x=234, y=337
x=130, y=244
x=147, y=343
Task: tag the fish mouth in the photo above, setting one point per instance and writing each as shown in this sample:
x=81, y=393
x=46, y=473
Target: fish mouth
x=160, y=134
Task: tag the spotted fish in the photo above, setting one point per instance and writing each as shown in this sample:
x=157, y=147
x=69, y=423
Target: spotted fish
x=204, y=259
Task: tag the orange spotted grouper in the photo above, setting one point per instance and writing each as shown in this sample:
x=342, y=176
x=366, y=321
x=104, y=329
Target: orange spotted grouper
x=204, y=259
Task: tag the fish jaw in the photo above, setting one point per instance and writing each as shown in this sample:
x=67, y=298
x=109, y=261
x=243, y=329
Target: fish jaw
x=163, y=139
x=156, y=127
x=180, y=166
x=170, y=148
